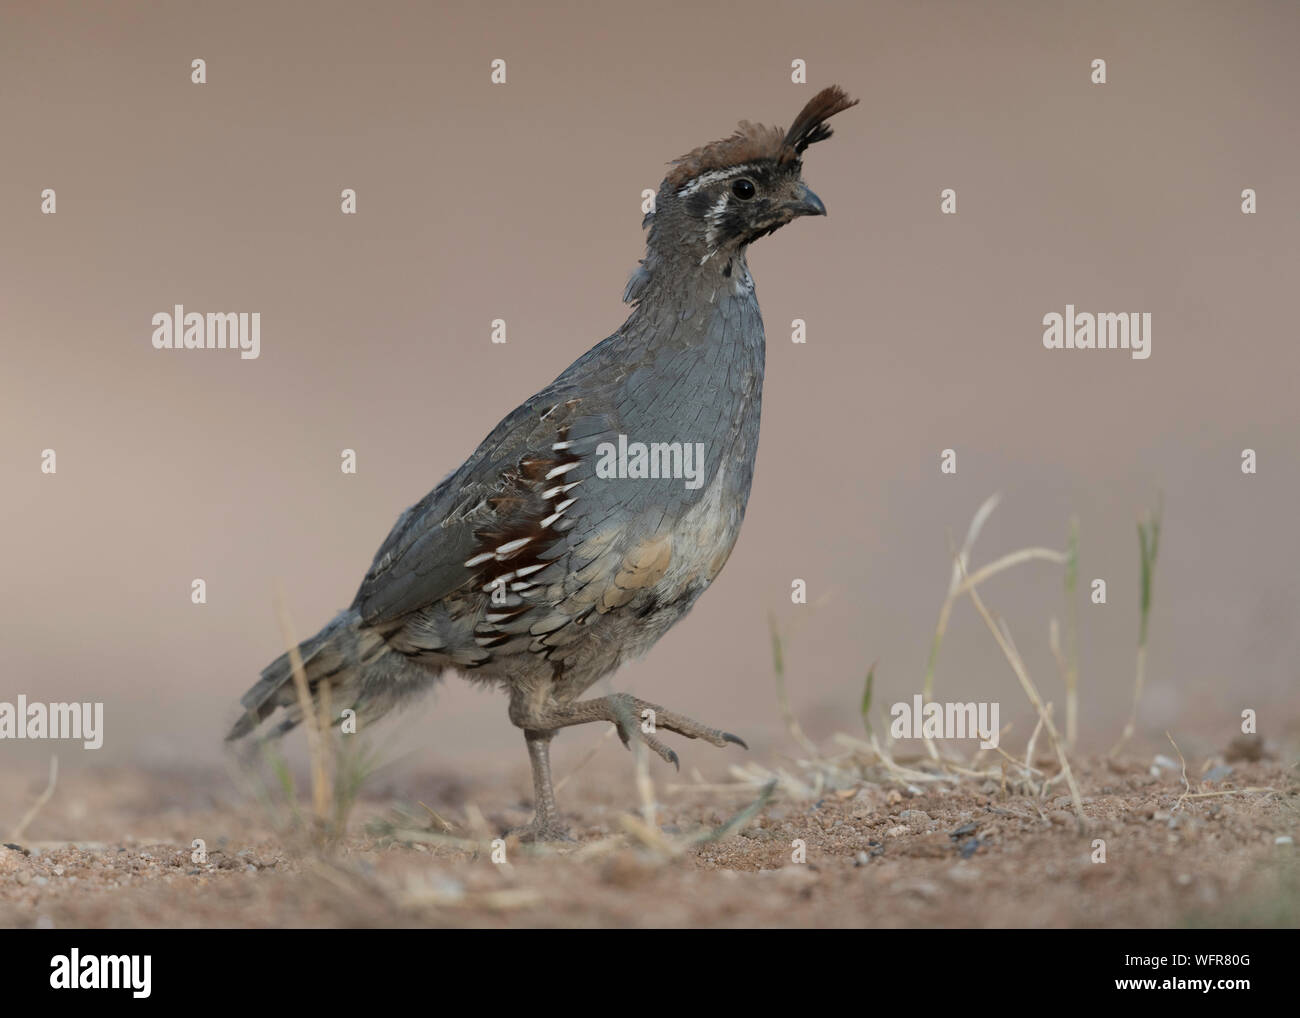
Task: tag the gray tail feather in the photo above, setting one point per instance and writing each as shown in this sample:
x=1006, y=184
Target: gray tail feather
x=324, y=656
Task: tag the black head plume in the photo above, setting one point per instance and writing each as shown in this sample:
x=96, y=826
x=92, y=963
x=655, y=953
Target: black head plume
x=810, y=125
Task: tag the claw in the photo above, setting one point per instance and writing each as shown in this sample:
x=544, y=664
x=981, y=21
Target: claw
x=736, y=739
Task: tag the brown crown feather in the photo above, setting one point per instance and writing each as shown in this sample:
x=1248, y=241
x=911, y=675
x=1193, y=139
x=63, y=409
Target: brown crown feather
x=753, y=142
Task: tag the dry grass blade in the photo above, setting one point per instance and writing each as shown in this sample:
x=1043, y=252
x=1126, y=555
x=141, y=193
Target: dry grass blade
x=1033, y=738
x=867, y=688
x=317, y=750
x=740, y=819
x=1014, y=558
x=16, y=835
x=962, y=582
x=1071, y=656
x=1187, y=788
x=1031, y=691
x=972, y=532
x=446, y=825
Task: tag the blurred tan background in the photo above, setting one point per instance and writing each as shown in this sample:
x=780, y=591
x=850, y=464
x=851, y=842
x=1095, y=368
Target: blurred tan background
x=521, y=202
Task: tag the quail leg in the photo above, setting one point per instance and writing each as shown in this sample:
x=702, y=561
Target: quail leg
x=545, y=825
x=627, y=713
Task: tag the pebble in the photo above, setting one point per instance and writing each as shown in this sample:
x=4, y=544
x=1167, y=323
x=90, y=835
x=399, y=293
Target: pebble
x=925, y=889
x=1284, y=839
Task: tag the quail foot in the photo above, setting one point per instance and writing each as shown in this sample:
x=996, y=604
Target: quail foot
x=595, y=514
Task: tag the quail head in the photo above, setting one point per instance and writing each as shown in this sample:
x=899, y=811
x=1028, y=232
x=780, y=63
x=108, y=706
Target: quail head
x=596, y=513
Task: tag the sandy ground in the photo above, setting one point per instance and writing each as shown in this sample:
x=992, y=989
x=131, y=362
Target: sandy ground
x=113, y=849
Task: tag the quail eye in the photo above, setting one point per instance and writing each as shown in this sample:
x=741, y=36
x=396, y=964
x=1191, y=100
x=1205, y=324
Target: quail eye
x=743, y=189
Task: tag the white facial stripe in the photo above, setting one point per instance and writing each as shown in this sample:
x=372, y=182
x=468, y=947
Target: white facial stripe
x=711, y=218
x=705, y=179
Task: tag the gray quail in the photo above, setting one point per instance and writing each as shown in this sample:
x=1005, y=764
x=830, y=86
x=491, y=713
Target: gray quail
x=595, y=514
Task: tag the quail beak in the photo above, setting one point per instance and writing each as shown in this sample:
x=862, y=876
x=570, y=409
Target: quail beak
x=805, y=203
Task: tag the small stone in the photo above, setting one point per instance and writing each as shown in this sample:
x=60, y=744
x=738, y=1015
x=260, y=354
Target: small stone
x=963, y=830
x=1284, y=839
x=23, y=877
x=41, y=881
x=1218, y=773
x=895, y=832
x=927, y=890
x=1245, y=747
x=861, y=859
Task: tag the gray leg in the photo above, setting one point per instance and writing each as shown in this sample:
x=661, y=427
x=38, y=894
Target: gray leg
x=546, y=824
x=539, y=718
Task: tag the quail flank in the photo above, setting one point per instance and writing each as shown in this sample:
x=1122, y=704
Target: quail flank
x=573, y=538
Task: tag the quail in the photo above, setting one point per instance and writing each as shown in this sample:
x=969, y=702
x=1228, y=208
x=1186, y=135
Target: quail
x=597, y=512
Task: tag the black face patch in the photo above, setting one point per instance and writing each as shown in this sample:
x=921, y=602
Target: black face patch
x=740, y=219
x=727, y=220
